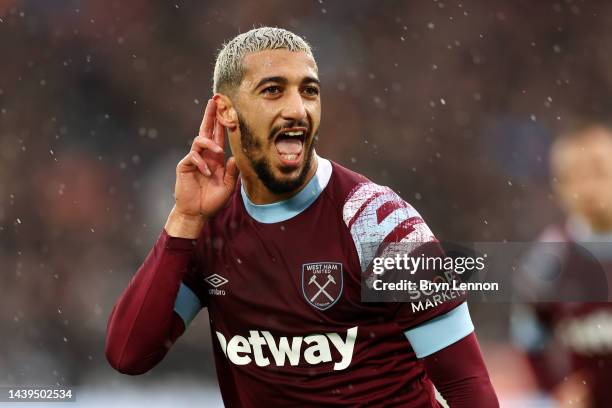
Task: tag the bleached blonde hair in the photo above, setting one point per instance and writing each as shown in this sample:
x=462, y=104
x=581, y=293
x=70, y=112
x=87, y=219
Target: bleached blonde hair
x=229, y=70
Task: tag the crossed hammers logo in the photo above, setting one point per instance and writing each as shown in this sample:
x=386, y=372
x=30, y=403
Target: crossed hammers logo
x=322, y=291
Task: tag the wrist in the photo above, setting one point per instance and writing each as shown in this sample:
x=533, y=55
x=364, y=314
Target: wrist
x=183, y=225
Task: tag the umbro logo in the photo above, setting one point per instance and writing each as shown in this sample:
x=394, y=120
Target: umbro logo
x=216, y=280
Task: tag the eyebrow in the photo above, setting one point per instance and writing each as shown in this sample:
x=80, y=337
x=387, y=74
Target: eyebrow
x=283, y=81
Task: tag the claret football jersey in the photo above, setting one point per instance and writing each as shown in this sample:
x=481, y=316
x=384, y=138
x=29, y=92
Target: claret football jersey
x=282, y=285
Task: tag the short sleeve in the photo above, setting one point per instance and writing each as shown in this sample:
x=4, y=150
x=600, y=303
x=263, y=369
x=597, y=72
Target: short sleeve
x=380, y=222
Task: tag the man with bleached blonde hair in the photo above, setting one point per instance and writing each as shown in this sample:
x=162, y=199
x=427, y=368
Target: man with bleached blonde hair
x=271, y=242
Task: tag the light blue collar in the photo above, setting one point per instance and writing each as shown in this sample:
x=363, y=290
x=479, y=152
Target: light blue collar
x=286, y=209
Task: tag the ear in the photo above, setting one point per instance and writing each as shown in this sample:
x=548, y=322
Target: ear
x=226, y=114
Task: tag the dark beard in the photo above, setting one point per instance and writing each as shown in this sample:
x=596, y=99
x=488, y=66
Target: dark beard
x=262, y=166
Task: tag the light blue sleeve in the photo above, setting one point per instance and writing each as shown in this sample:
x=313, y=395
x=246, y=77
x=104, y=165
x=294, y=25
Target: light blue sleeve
x=187, y=304
x=441, y=331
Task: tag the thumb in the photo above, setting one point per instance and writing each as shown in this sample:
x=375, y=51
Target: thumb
x=231, y=174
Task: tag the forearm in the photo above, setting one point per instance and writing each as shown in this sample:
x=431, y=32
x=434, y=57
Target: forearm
x=460, y=375
x=143, y=324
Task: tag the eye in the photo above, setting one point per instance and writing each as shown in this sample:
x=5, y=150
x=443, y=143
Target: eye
x=272, y=90
x=311, y=90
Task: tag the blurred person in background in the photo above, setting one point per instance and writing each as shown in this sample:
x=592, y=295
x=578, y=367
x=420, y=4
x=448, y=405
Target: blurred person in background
x=288, y=326
x=569, y=340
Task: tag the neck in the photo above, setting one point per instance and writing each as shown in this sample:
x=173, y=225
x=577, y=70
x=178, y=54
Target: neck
x=602, y=224
x=259, y=194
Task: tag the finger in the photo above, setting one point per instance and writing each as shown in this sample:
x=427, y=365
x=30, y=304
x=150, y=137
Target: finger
x=208, y=121
x=199, y=162
x=231, y=174
x=191, y=161
x=201, y=143
x=219, y=136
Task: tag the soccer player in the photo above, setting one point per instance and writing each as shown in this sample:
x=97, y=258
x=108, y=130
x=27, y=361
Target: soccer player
x=570, y=343
x=270, y=241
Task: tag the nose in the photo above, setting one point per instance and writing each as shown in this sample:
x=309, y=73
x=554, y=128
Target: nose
x=294, y=108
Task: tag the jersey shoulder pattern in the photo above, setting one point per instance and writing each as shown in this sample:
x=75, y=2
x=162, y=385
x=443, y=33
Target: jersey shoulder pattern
x=376, y=215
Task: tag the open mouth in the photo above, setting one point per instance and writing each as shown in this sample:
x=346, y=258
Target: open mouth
x=290, y=145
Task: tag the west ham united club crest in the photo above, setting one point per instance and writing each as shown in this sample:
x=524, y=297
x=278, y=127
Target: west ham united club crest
x=322, y=283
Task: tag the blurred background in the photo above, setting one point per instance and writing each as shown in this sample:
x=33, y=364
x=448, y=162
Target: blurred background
x=452, y=103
